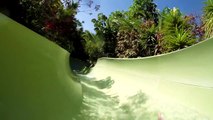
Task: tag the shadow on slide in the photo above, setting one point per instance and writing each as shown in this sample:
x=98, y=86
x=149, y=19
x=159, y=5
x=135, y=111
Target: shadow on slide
x=36, y=82
x=184, y=77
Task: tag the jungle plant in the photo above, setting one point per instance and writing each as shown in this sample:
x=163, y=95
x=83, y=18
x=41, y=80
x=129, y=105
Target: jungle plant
x=181, y=38
x=103, y=26
x=144, y=10
x=56, y=21
x=148, y=38
x=127, y=44
x=138, y=26
x=172, y=18
x=128, y=38
x=176, y=30
x=208, y=18
x=93, y=45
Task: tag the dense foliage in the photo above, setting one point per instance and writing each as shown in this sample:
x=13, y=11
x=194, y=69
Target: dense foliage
x=140, y=31
x=144, y=31
x=177, y=30
x=54, y=19
x=208, y=18
x=57, y=22
x=93, y=45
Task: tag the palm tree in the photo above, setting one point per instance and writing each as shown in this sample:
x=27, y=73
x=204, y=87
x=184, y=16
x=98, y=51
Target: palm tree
x=181, y=38
x=144, y=9
x=148, y=38
x=93, y=45
x=208, y=18
x=172, y=18
x=176, y=30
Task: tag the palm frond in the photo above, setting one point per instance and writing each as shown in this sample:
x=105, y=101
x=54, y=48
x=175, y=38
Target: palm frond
x=208, y=18
x=93, y=44
x=181, y=38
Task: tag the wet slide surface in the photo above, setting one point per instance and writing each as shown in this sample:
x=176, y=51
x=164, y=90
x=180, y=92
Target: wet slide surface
x=176, y=83
x=36, y=82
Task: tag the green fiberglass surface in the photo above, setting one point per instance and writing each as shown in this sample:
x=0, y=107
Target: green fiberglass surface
x=184, y=77
x=36, y=82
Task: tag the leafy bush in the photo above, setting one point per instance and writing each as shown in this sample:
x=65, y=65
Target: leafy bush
x=93, y=45
x=208, y=18
x=176, y=30
x=181, y=38
x=53, y=20
x=103, y=26
x=148, y=38
x=127, y=44
x=122, y=31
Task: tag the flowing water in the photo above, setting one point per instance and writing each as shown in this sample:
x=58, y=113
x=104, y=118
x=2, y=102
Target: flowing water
x=101, y=102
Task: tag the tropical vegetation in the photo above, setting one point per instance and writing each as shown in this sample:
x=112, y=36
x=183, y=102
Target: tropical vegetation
x=141, y=31
x=208, y=18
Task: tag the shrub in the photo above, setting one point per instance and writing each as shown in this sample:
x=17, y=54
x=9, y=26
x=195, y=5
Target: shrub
x=93, y=45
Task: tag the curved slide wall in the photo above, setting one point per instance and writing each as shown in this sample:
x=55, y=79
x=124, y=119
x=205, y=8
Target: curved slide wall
x=36, y=82
x=184, y=76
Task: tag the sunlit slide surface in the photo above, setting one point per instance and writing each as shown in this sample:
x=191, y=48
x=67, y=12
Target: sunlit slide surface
x=36, y=82
x=177, y=85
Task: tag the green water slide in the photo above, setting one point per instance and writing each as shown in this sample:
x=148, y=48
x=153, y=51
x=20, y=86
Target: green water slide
x=36, y=82
x=184, y=77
